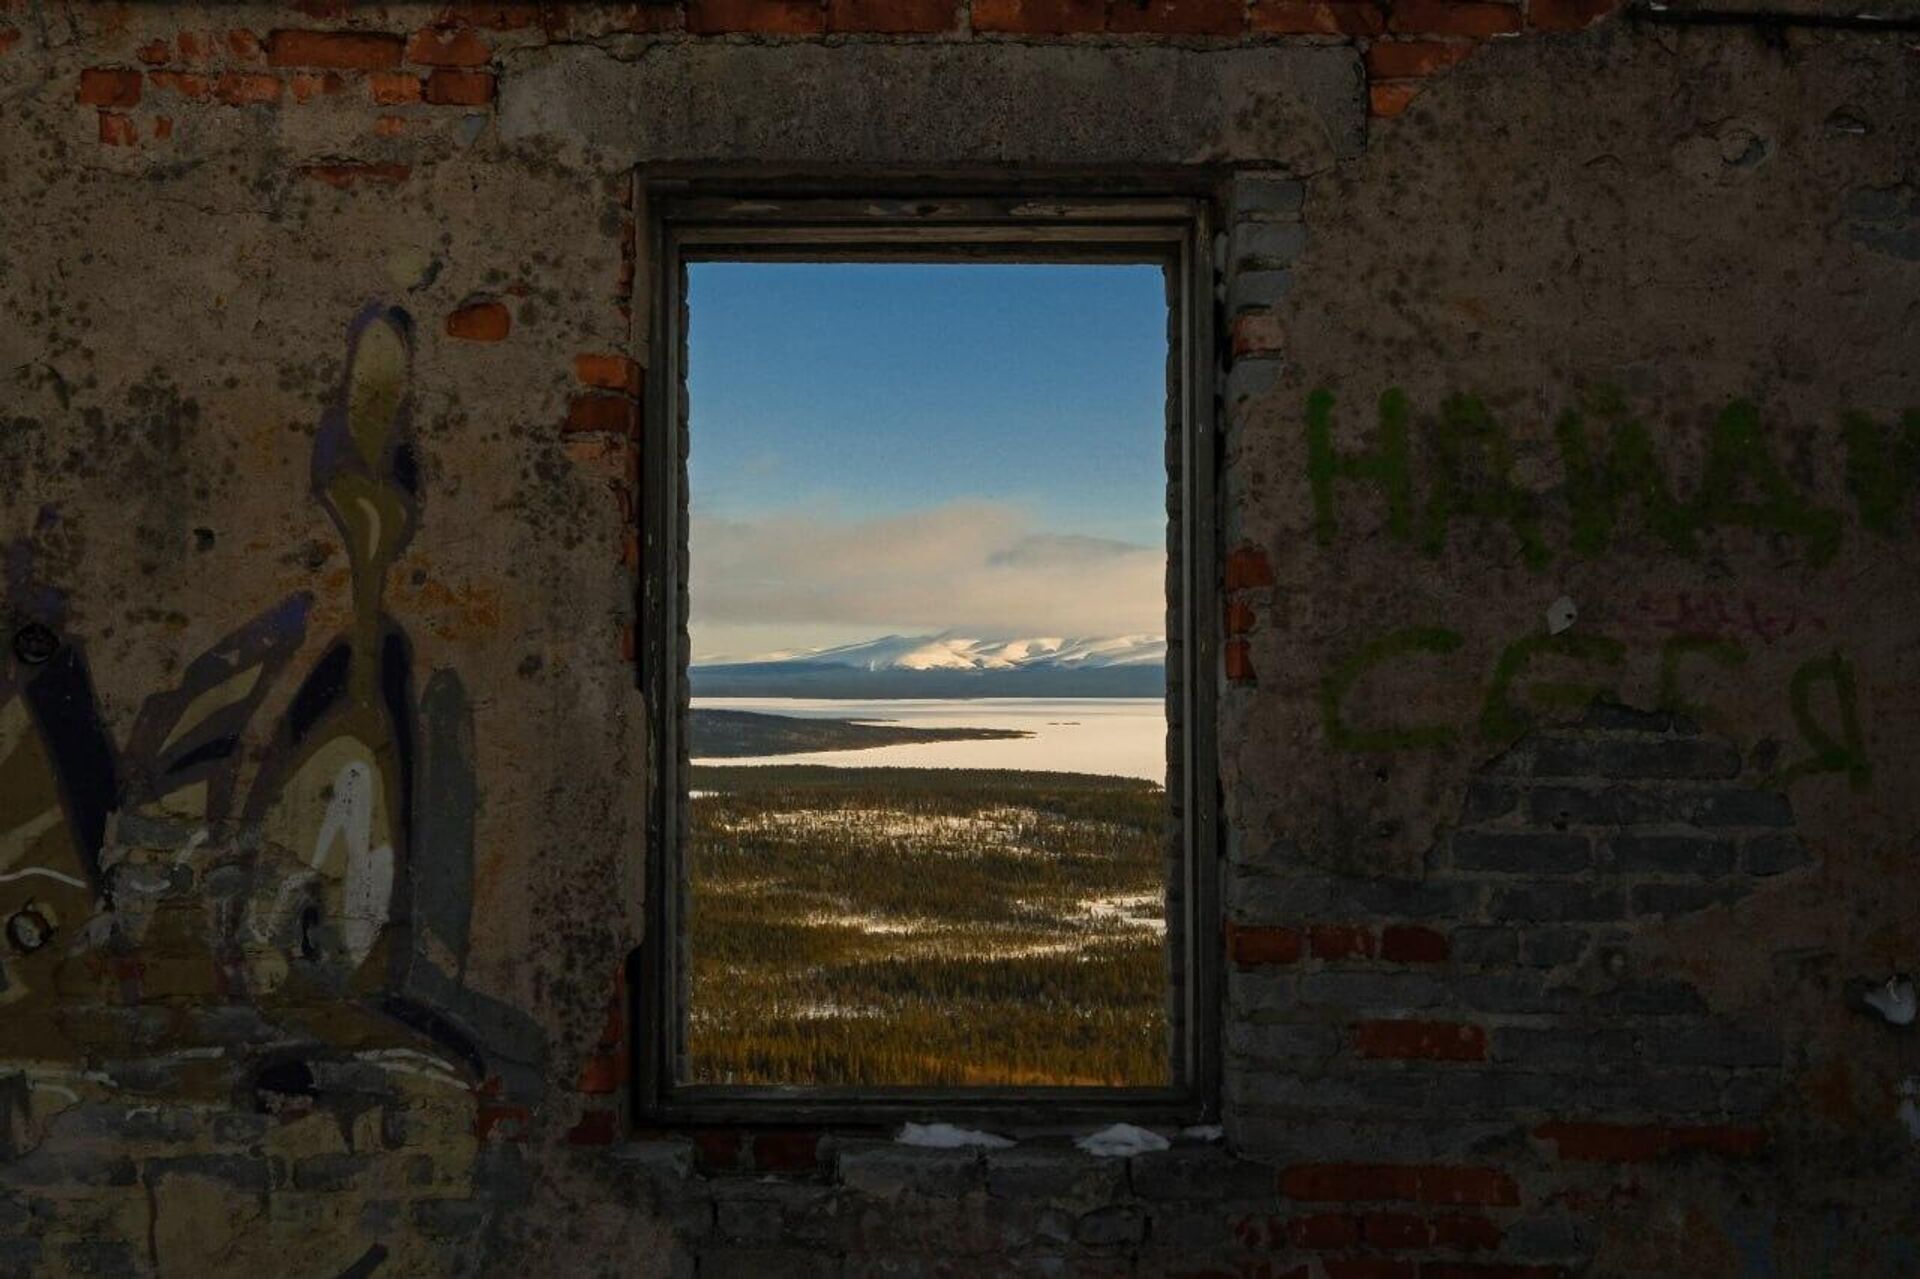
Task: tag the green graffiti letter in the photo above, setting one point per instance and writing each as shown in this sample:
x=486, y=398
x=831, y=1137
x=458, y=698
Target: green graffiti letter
x=1472, y=476
x=1724, y=651
x=1738, y=449
x=1631, y=469
x=1501, y=720
x=1845, y=754
x=1385, y=465
x=1338, y=681
x=1883, y=468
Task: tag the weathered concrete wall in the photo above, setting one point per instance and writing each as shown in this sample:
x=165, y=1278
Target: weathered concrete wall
x=316, y=485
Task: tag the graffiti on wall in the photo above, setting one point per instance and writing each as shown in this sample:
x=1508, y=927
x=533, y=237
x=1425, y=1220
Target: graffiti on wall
x=318, y=872
x=1616, y=484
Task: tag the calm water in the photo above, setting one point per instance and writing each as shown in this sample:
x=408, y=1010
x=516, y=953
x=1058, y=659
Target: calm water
x=1120, y=736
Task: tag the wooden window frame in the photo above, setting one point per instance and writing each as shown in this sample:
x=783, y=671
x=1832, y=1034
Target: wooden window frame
x=686, y=223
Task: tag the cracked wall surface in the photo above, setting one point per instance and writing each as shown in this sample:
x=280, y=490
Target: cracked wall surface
x=1568, y=681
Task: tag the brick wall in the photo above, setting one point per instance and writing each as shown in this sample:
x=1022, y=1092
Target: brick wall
x=1567, y=674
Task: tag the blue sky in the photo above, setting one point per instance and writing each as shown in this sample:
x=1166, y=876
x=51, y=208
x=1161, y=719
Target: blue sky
x=910, y=448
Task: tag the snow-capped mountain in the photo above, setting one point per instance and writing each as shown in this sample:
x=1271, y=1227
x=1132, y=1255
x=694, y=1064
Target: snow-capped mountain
x=950, y=665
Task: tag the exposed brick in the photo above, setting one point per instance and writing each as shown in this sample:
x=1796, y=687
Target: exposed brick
x=504, y=15
x=1341, y=941
x=1641, y=1143
x=190, y=85
x=393, y=88
x=1040, y=17
x=1257, y=333
x=1524, y=853
x=764, y=17
x=1314, y=17
x=245, y=45
x=1567, y=15
x=1238, y=659
x=342, y=50
x=608, y=372
x=1178, y=17
x=162, y=126
x=307, y=85
x=480, y=322
x=614, y=414
x=1240, y=617
x=1420, y=1040
x=447, y=47
x=1407, y=1183
x=246, y=88
x=892, y=17
x=1411, y=944
x=1324, y=1230
x=1453, y=18
x=718, y=1149
x=108, y=87
x=459, y=88
x=156, y=53
x=596, y=1128
x=348, y=177
x=786, y=1151
x=1775, y=854
x=1247, y=568
x=1389, y=98
x=118, y=130
x=1249, y=945
x=1679, y=758
x=1394, y=59
x=1668, y=855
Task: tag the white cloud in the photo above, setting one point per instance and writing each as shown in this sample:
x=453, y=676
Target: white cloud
x=805, y=579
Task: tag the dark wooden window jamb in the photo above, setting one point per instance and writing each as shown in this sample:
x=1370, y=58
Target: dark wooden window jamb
x=1174, y=232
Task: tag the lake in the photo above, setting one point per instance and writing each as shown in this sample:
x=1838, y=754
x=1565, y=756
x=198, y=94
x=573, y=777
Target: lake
x=1117, y=736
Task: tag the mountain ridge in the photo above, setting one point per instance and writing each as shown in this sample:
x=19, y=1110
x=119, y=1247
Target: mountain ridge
x=949, y=664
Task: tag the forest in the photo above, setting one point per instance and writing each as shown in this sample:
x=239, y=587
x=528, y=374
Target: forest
x=954, y=927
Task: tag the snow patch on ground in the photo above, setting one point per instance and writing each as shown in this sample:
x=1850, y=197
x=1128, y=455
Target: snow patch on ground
x=1121, y=1140
x=948, y=1137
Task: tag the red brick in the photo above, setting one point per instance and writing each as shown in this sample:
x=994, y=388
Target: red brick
x=480, y=322
x=1398, y=59
x=306, y=84
x=343, y=50
x=393, y=88
x=786, y=1151
x=190, y=85
x=1247, y=567
x=512, y=15
x=155, y=52
x=1420, y=1041
x=608, y=372
x=1178, y=17
x=459, y=88
x=118, y=130
x=602, y=1073
x=245, y=45
x=1567, y=15
x=108, y=87
x=1256, y=333
x=1390, y=98
x=1040, y=17
x=1641, y=1143
x=615, y=414
x=1324, y=1230
x=1240, y=617
x=162, y=126
x=246, y=88
x=1409, y=1183
x=348, y=176
x=1238, y=659
x=892, y=17
x=717, y=1148
x=1311, y=18
x=765, y=17
x=596, y=1128
x=1250, y=945
x=511, y=1119
x=1370, y=1268
x=9, y=36
x=1341, y=941
x=1412, y=944
x=448, y=47
x=195, y=47
x=1453, y=18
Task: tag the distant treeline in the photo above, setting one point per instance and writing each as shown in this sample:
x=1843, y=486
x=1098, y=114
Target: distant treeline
x=717, y=734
